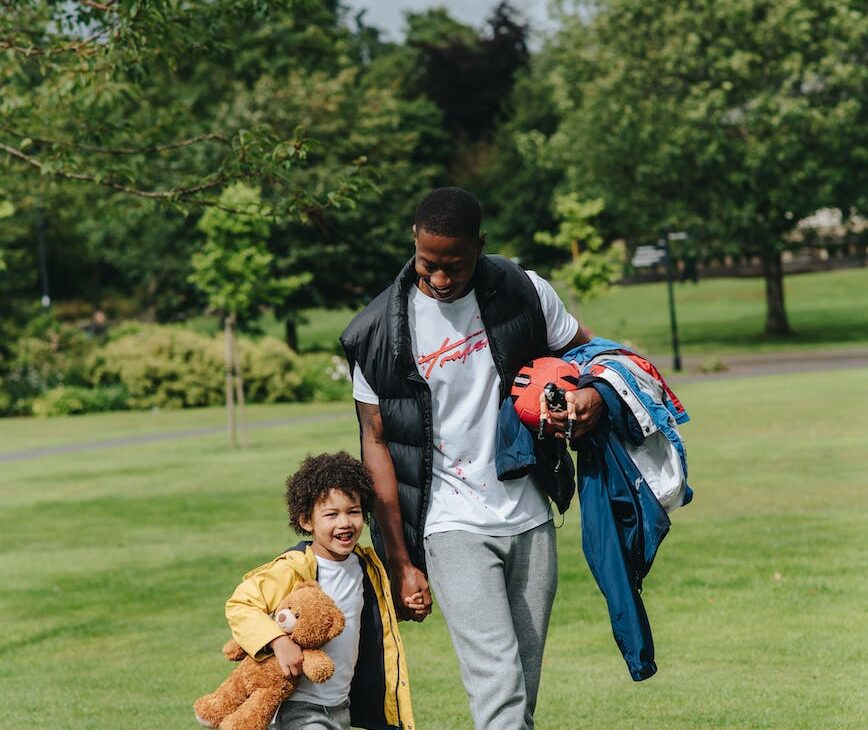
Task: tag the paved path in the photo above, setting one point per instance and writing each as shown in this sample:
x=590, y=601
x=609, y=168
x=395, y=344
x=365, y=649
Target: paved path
x=148, y=438
x=763, y=363
x=732, y=366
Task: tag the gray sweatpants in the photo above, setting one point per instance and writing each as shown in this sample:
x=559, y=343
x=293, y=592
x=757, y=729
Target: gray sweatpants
x=496, y=594
x=298, y=715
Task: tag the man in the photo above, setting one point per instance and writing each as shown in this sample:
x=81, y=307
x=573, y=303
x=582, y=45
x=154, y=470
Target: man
x=433, y=357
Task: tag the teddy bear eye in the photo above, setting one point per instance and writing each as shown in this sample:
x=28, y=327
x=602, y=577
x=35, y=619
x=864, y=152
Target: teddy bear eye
x=296, y=614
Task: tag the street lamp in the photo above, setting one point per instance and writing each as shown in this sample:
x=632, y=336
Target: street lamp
x=670, y=274
x=43, y=258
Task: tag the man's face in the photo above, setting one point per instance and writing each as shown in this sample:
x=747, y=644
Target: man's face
x=445, y=264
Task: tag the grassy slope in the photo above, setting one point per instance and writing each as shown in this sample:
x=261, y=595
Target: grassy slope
x=115, y=566
x=715, y=316
x=728, y=315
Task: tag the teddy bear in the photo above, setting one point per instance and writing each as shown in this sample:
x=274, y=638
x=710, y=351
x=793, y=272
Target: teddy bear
x=250, y=695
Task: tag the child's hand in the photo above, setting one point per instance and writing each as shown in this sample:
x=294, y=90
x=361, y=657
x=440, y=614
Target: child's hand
x=288, y=655
x=415, y=603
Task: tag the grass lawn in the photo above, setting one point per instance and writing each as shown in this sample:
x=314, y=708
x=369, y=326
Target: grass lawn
x=116, y=563
x=715, y=316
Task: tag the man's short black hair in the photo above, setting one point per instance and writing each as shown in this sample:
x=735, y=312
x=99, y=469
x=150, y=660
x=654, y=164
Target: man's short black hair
x=449, y=212
x=317, y=476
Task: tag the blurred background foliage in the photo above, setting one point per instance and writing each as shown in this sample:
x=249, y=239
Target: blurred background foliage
x=121, y=123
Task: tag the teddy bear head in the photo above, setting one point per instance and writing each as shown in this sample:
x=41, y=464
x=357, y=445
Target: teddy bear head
x=309, y=616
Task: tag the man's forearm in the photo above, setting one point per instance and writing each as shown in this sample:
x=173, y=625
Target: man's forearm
x=388, y=509
x=376, y=456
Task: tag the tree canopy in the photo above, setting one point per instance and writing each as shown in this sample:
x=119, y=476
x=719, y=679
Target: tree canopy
x=122, y=122
x=733, y=119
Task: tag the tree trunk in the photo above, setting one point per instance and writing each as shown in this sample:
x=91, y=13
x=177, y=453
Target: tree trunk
x=229, y=336
x=776, y=313
x=291, y=330
x=239, y=392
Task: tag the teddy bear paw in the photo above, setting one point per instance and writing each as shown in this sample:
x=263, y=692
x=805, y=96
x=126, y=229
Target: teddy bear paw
x=205, y=723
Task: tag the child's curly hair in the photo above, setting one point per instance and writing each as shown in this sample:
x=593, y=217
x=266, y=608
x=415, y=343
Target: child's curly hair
x=317, y=475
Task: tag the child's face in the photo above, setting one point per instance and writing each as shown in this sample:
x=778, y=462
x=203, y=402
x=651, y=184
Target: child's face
x=335, y=524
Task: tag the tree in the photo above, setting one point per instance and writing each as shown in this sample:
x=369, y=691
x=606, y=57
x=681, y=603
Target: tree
x=734, y=119
x=88, y=96
x=114, y=124
x=234, y=270
x=203, y=91
x=592, y=268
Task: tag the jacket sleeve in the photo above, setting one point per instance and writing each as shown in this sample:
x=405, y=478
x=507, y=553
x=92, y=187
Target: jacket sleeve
x=515, y=448
x=249, y=608
x=621, y=419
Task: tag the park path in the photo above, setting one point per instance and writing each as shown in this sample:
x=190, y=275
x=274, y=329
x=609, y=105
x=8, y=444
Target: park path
x=730, y=367
x=753, y=364
x=149, y=438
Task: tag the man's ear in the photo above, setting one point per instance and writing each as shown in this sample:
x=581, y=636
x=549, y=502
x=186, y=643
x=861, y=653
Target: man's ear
x=305, y=523
x=482, y=239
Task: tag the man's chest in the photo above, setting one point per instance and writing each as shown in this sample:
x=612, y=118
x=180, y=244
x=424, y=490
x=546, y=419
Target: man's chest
x=450, y=344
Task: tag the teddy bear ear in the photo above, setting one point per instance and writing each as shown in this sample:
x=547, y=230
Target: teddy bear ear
x=308, y=584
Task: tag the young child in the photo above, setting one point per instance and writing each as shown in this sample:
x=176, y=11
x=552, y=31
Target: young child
x=330, y=498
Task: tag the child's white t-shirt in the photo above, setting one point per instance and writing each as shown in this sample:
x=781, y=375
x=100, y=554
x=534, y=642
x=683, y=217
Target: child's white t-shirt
x=342, y=580
x=450, y=347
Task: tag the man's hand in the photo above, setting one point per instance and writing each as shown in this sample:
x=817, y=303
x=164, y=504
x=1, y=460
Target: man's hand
x=411, y=593
x=288, y=655
x=585, y=406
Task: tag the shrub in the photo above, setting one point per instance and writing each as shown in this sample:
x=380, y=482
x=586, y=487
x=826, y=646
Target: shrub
x=162, y=367
x=170, y=367
x=50, y=356
x=144, y=366
x=270, y=371
x=68, y=400
x=324, y=377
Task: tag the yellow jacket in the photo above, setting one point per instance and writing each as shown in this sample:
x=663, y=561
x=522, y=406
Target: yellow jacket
x=380, y=691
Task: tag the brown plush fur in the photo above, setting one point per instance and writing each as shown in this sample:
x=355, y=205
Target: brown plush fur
x=250, y=695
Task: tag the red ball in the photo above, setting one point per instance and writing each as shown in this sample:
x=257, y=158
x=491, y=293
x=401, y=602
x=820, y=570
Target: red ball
x=530, y=381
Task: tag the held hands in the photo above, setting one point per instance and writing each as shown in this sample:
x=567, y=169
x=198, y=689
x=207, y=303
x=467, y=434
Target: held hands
x=288, y=655
x=411, y=594
x=584, y=409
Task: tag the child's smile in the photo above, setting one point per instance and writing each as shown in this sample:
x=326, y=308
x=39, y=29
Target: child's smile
x=335, y=524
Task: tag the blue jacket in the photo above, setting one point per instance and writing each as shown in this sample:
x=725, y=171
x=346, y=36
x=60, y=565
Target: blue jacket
x=623, y=523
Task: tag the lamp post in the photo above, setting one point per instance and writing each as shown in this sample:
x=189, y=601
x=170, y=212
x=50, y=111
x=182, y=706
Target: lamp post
x=673, y=322
x=43, y=258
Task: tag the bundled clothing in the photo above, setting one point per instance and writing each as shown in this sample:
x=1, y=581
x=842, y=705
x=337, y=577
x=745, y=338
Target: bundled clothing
x=632, y=471
x=380, y=690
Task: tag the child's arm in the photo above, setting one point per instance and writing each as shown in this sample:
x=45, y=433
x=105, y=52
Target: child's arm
x=248, y=609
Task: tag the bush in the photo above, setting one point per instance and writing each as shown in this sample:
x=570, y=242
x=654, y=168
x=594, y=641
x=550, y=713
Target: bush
x=170, y=367
x=270, y=371
x=324, y=377
x=143, y=366
x=68, y=400
x=50, y=356
x=162, y=367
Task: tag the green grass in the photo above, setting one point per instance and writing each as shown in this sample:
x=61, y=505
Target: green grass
x=715, y=316
x=115, y=566
x=728, y=315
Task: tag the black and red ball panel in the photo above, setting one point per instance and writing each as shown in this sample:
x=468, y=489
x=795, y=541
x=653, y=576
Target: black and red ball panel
x=530, y=381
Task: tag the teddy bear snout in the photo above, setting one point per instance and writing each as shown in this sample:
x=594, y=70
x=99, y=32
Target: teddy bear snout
x=286, y=619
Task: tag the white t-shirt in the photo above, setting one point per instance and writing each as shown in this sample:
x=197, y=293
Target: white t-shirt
x=450, y=346
x=342, y=580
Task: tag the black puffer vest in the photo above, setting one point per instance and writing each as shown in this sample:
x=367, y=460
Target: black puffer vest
x=378, y=339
